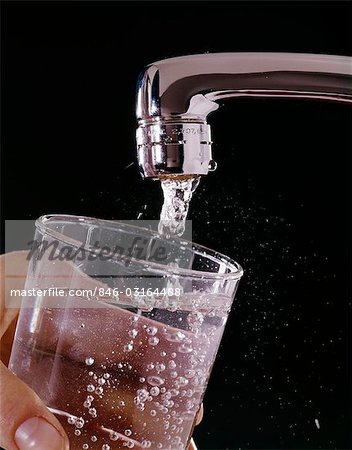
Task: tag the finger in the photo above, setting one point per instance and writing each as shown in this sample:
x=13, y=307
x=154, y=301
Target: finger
x=25, y=422
x=13, y=270
x=200, y=414
x=192, y=445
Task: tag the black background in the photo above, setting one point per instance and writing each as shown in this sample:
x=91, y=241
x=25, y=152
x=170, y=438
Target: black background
x=278, y=203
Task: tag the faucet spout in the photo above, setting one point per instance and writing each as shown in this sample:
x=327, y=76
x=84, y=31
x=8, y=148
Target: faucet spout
x=176, y=95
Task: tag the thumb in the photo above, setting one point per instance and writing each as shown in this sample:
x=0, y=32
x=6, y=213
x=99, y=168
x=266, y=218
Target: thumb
x=25, y=422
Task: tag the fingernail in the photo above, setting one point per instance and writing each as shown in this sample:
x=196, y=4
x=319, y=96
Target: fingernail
x=37, y=433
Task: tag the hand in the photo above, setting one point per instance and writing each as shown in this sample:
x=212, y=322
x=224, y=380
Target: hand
x=25, y=422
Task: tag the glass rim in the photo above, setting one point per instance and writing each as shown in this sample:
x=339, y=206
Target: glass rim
x=236, y=269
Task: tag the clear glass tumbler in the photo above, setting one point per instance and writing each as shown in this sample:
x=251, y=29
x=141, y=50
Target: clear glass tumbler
x=119, y=330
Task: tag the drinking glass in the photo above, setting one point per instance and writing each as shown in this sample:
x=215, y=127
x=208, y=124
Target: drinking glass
x=118, y=330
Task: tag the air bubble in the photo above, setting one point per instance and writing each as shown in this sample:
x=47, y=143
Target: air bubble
x=155, y=381
x=128, y=348
x=71, y=420
x=99, y=390
x=162, y=353
x=142, y=379
x=106, y=376
x=101, y=381
x=105, y=447
x=129, y=444
x=90, y=388
x=153, y=340
x=77, y=432
x=89, y=360
x=133, y=333
x=85, y=446
x=175, y=337
x=172, y=364
x=90, y=373
x=114, y=436
x=146, y=444
x=92, y=411
x=155, y=391
x=151, y=331
x=87, y=404
x=184, y=348
x=128, y=432
x=122, y=403
x=173, y=355
x=153, y=412
x=79, y=423
x=94, y=438
x=160, y=367
x=189, y=373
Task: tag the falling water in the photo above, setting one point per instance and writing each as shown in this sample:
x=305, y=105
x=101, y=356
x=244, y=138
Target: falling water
x=178, y=193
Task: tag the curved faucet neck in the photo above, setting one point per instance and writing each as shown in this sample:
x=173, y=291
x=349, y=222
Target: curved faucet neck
x=176, y=95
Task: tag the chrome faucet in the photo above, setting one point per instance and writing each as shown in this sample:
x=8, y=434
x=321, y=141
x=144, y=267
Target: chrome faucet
x=175, y=96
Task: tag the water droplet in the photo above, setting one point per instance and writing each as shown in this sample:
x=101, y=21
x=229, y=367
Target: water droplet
x=155, y=391
x=155, y=380
x=153, y=340
x=89, y=360
x=128, y=432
